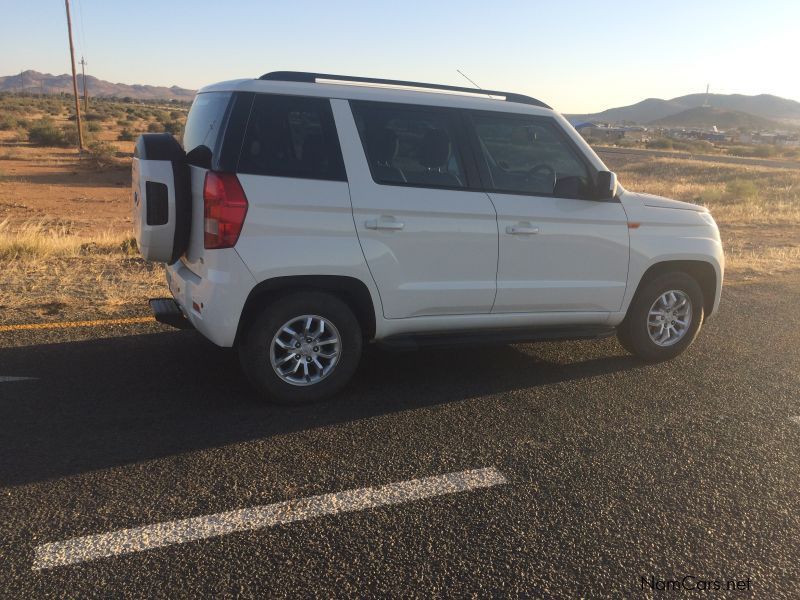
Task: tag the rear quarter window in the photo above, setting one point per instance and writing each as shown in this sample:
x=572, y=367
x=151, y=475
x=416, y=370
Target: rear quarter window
x=206, y=120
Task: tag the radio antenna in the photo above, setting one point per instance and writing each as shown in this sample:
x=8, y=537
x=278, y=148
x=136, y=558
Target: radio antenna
x=470, y=80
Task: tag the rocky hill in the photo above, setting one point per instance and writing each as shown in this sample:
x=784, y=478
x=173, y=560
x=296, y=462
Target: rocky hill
x=44, y=83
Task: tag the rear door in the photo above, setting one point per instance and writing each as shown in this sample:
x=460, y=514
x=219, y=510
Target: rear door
x=430, y=242
x=560, y=250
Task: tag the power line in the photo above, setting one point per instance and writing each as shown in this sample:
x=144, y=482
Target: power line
x=82, y=27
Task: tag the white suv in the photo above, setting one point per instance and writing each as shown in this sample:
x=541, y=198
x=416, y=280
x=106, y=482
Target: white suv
x=308, y=214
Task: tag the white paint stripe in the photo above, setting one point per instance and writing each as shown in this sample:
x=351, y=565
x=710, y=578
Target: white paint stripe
x=138, y=539
x=5, y=378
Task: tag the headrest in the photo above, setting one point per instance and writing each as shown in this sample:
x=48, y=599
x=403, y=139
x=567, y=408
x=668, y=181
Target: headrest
x=383, y=145
x=434, y=152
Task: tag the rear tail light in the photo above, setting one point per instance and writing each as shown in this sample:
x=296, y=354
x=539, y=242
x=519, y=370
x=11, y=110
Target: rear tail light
x=225, y=207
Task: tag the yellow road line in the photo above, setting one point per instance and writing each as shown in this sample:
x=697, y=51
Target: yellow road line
x=72, y=324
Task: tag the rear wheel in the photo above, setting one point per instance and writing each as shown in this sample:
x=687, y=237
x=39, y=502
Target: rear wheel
x=664, y=317
x=303, y=347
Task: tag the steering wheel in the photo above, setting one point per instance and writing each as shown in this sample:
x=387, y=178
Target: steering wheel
x=544, y=173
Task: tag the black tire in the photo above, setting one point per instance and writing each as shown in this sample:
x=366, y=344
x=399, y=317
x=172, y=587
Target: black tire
x=254, y=349
x=633, y=332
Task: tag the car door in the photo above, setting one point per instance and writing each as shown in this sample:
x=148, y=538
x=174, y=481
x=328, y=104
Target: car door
x=560, y=250
x=429, y=241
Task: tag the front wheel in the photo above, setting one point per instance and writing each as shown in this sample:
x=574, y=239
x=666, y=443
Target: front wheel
x=303, y=347
x=664, y=317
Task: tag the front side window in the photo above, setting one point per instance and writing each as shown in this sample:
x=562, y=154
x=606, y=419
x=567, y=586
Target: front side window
x=292, y=136
x=530, y=156
x=410, y=146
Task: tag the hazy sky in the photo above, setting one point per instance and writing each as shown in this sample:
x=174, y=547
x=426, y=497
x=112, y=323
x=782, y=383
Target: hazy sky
x=576, y=56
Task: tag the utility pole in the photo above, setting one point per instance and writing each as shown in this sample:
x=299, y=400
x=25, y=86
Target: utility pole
x=74, y=79
x=85, y=93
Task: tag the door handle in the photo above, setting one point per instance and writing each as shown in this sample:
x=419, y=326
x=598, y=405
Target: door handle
x=384, y=223
x=526, y=229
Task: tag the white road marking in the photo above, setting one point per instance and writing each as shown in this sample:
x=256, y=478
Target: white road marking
x=138, y=539
x=5, y=378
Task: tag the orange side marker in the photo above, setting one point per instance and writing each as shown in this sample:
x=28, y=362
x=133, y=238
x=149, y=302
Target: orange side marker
x=74, y=324
x=633, y=225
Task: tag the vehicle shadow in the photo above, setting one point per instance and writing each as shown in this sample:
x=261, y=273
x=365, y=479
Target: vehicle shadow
x=109, y=402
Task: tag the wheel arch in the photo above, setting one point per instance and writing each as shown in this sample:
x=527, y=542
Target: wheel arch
x=703, y=272
x=351, y=290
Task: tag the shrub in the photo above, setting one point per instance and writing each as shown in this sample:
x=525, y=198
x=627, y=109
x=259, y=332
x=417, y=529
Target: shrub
x=20, y=135
x=71, y=136
x=126, y=135
x=741, y=189
x=174, y=127
x=129, y=246
x=155, y=127
x=680, y=145
x=764, y=151
x=7, y=122
x=660, y=144
x=45, y=133
x=94, y=127
x=101, y=154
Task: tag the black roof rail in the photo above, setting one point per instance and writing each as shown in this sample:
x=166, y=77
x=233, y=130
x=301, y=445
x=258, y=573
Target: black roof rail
x=303, y=77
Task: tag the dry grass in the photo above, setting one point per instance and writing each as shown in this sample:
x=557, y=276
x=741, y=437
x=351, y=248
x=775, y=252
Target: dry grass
x=734, y=193
x=40, y=240
x=50, y=272
x=754, y=263
x=757, y=208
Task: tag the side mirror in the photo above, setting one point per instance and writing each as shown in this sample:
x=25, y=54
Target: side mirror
x=606, y=185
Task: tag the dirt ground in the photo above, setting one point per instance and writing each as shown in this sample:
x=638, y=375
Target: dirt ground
x=53, y=186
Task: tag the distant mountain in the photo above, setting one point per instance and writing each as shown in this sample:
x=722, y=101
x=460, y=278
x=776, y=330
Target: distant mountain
x=641, y=112
x=35, y=82
x=707, y=117
x=654, y=110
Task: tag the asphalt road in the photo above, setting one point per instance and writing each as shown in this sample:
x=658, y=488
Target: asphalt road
x=613, y=471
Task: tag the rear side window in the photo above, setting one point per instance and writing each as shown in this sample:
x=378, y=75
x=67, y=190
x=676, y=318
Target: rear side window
x=292, y=136
x=206, y=119
x=530, y=156
x=410, y=145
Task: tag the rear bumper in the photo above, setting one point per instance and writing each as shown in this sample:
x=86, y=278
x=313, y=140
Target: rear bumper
x=213, y=300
